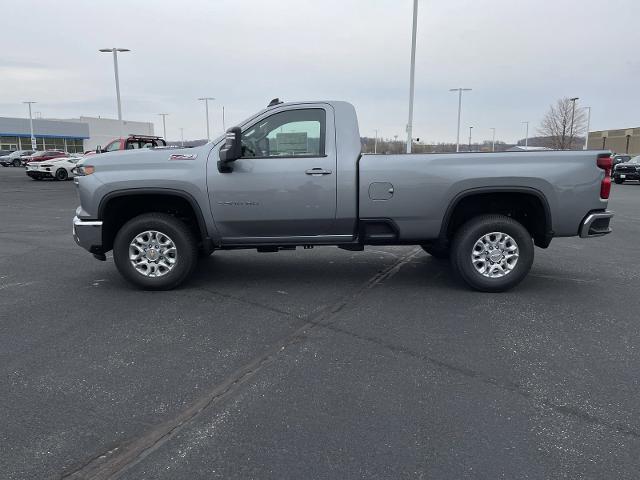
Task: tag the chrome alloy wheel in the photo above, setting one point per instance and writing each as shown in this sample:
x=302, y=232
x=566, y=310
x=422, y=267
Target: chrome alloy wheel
x=495, y=255
x=152, y=253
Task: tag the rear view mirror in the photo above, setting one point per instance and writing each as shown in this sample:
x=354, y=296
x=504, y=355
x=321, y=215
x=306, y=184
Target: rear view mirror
x=231, y=150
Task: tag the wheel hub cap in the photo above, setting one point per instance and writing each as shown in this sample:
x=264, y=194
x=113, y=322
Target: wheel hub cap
x=495, y=255
x=153, y=253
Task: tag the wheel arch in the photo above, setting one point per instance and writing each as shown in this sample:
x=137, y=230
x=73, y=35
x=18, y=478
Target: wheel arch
x=136, y=201
x=484, y=196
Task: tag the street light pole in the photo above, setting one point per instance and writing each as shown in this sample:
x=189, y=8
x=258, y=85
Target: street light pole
x=182, y=136
x=224, y=126
x=459, y=90
x=115, y=51
x=526, y=137
x=33, y=138
x=470, y=129
x=206, y=108
x=573, y=113
x=493, y=141
x=412, y=75
x=375, y=143
x=164, y=124
x=586, y=136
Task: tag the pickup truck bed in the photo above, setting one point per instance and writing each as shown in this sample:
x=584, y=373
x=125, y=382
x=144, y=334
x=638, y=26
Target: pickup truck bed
x=293, y=175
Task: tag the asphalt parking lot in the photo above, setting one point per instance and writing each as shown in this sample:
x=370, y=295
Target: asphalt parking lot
x=314, y=364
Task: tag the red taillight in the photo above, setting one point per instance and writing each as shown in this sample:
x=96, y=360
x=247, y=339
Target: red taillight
x=605, y=162
x=605, y=188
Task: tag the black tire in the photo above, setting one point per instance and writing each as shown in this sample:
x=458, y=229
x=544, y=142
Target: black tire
x=17, y=163
x=436, y=251
x=465, y=239
x=61, y=174
x=618, y=180
x=185, y=244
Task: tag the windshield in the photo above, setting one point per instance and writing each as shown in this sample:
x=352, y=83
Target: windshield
x=635, y=159
x=39, y=154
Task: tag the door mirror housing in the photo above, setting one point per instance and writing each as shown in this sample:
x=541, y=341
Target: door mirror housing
x=231, y=150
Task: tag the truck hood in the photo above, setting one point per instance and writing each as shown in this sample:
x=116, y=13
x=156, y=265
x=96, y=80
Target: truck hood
x=125, y=159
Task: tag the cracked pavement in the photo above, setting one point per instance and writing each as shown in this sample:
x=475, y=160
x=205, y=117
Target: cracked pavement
x=315, y=363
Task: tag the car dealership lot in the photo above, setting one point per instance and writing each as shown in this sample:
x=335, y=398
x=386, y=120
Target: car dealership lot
x=314, y=364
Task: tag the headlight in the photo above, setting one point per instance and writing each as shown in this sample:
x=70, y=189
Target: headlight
x=83, y=170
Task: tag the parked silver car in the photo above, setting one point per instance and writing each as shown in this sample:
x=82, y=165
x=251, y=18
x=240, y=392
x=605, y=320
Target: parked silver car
x=15, y=159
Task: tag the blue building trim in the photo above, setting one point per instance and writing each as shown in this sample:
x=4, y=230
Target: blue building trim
x=37, y=135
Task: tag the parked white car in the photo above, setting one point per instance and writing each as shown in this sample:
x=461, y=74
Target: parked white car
x=56, y=168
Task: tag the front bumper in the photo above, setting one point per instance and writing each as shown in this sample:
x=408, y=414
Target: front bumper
x=88, y=234
x=626, y=175
x=596, y=224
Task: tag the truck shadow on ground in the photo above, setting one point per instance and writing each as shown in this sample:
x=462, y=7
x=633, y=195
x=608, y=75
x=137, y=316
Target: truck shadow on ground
x=279, y=271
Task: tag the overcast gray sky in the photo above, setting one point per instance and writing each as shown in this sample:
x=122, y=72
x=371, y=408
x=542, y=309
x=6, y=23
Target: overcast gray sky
x=517, y=55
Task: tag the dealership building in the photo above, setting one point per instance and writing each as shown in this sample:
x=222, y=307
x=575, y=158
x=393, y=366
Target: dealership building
x=73, y=135
x=624, y=140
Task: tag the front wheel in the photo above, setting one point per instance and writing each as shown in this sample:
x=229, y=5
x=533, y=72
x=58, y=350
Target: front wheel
x=155, y=251
x=492, y=253
x=17, y=163
x=618, y=180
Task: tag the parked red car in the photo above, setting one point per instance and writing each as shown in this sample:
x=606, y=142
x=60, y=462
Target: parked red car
x=44, y=155
x=130, y=143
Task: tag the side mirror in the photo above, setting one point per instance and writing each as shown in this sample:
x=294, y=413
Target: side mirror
x=231, y=150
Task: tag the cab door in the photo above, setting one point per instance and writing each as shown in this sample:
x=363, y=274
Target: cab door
x=285, y=183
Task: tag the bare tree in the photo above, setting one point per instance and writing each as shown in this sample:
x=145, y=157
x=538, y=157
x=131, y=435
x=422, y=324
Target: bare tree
x=561, y=125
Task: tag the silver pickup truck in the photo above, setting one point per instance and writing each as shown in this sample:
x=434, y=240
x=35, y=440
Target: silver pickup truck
x=294, y=175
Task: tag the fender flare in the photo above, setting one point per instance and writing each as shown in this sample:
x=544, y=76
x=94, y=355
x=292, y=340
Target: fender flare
x=160, y=191
x=548, y=234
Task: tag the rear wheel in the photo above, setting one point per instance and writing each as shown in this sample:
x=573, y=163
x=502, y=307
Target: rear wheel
x=492, y=253
x=155, y=251
x=61, y=174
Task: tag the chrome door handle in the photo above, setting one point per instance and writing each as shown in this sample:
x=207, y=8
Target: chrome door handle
x=318, y=171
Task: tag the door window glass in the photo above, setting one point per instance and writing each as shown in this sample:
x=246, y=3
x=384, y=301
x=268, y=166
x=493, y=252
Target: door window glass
x=115, y=145
x=294, y=133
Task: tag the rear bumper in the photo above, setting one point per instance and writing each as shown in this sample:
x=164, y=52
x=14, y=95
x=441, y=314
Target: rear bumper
x=596, y=224
x=39, y=174
x=88, y=234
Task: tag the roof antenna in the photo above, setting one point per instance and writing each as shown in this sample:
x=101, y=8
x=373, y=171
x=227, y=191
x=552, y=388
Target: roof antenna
x=275, y=101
